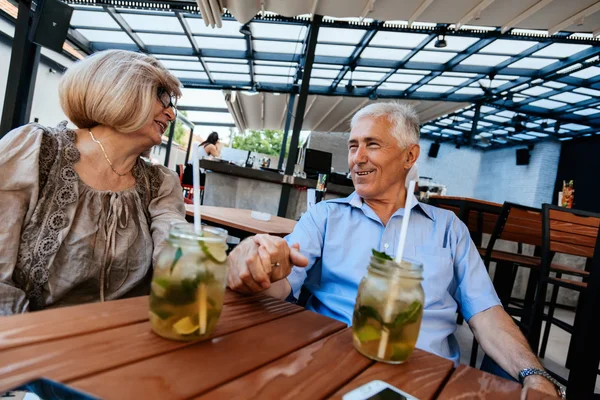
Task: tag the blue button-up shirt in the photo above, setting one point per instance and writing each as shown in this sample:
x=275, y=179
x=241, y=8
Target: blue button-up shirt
x=337, y=237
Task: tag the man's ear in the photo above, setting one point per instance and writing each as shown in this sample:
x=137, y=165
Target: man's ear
x=412, y=155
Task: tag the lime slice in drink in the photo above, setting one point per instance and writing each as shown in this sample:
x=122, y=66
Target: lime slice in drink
x=185, y=326
x=400, y=352
x=368, y=333
x=158, y=290
x=216, y=251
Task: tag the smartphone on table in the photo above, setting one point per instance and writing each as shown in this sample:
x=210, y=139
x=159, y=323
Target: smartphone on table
x=378, y=390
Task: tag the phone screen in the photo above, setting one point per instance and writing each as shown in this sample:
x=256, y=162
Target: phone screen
x=387, y=394
x=45, y=389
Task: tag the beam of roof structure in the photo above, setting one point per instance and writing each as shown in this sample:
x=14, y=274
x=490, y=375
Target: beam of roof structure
x=574, y=18
x=420, y=10
x=350, y=114
x=474, y=13
x=126, y=28
x=195, y=48
x=368, y=8
x=313, y=9
x=327, y=113
x=525, y=14
x=284, y=112
x=312, y=102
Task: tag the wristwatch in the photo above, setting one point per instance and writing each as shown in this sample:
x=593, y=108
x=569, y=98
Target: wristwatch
x=536, y=371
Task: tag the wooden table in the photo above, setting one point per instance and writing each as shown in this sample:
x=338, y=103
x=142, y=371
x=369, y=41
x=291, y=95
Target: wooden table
x=239, y=223
x=262, y=348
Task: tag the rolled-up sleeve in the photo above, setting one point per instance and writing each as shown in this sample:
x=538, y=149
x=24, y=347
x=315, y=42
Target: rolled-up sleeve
x=474, y=291
x=309, y=233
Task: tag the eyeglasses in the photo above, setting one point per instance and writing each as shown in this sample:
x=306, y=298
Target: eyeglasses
x=167, y=100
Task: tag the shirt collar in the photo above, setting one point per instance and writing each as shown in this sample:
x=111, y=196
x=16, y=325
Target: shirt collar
x=355, y=201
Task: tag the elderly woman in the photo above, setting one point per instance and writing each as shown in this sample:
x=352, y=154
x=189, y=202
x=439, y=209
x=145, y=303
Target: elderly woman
x=81, y=214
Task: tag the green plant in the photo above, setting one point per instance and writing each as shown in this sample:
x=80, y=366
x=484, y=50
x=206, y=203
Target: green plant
x=267, y=141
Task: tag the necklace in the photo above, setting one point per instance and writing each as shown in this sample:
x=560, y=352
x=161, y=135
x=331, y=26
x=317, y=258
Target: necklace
x=105, y=156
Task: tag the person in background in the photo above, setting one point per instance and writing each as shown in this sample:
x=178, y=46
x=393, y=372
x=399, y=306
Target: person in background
x=81, y=213
x=211, y=146
x=328, y=252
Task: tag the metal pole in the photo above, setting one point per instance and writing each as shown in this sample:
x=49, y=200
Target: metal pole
x=474, y=124
x=169, y=143
x=189, y=146
x=288, y=121
x=22, y=73
x=293, y=153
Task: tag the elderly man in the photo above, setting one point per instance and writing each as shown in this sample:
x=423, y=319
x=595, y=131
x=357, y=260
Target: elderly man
x=328, y=252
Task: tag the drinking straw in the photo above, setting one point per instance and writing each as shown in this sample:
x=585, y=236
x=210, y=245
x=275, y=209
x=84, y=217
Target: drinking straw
x=198, y=229
x=394, y=287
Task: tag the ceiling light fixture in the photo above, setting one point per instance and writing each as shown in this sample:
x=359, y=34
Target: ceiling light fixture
x=440, y=43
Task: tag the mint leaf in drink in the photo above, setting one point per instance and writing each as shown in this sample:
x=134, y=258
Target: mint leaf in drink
x=381, y=255
x=365, y=312
x=178, y=255
x=410, y=316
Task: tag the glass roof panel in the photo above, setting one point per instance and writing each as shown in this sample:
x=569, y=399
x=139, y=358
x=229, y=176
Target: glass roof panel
x=384, y=54
x=508, y=47
x=190, y=75
x=561, y=50
x=397, y=39
x=434, y=88
x=278, y=31
x=226, y=60
x=202, y=98
x=221, y=76
x=587, y=73
x=373, y=69
x=507, y=77
x=575, y=127
x=404, y=78
x=461, y=74
x=153, y=23
x=441, y=80
x=570, y=97
x=469, y=90
x=277, y=47
x=536, y=90
x=220, y=43
x=188, y=65
x=157, y=39
x=220, y=67
x=105, y=36
x=273, y=79
x=591, y=92
x=523, y=136
x=484, y=60
x=496, y=118
x=320, y=82
x=164, y=57
x=334, y=50
x=229, y=28
x=274, y=70
x=555, y=85
x=437, y=57
x=538, y=134
x=340, y=35
x=550, y=104
x=414, y=71
x=394, y=86
x=324, y=73
x=93, y=19
x=284, y=64
x=587, y=111
x=562, y=139
x=370, y=76
x=454, y=43
x=533, y=63
x=494, y=83
x=451, y=131
x=205, y=116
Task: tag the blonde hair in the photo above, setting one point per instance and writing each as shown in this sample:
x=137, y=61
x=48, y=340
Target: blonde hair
x=402, y=117
x=116, y=88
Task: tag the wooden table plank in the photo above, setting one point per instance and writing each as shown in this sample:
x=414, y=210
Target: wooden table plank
x=79, y=356
x=57, y=323
x=195, y=369
x=471, y=383
x=238, y=218
x=312, y=372
x=422, y=375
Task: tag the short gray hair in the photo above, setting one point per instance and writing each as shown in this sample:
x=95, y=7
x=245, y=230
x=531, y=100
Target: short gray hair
x=402, y=117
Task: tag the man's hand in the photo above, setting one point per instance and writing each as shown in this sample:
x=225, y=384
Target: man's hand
x=261, y=260
x=540, y=384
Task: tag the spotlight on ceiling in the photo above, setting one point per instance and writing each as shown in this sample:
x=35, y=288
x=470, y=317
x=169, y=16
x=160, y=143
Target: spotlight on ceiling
x=440, y=43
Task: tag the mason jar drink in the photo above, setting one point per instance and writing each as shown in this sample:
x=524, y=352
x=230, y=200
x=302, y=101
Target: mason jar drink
x=188, y=284
x=388, y=310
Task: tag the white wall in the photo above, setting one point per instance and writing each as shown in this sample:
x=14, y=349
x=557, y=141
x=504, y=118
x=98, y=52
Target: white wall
x=458, y=169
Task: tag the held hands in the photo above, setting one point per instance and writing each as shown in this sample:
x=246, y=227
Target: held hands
x=261, y=260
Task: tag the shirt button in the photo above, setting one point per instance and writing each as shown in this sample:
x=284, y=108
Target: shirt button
x=386, y=245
